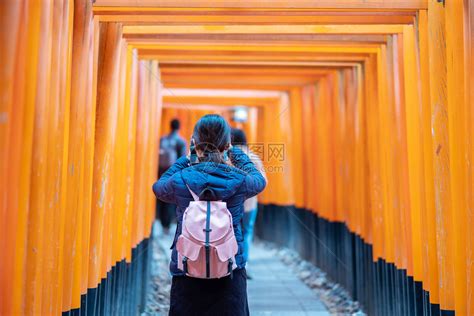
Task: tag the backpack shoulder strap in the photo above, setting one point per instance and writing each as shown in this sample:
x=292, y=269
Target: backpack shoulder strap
x=195, y=197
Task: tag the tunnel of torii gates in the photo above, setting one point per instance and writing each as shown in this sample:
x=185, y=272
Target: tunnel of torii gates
x=362, y=112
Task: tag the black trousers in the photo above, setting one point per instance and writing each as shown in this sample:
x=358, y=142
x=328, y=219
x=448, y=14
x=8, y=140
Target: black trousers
x=201, y=297
x=165, y=212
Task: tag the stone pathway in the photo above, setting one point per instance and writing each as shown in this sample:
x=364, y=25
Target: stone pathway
x=275, y=290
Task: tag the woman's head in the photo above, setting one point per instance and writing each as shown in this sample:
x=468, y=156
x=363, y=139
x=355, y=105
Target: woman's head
x=211, y=135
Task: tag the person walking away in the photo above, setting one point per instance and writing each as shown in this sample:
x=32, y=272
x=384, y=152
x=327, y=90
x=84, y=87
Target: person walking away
x=239, y=139
x=172, y=146
x=207, y=262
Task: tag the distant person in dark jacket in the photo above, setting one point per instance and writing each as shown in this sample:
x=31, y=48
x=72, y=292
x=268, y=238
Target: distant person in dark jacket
x=231, y=184
x=172, y=146
x=239, y=139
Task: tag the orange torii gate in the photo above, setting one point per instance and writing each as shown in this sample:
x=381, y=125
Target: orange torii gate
x=374, y=107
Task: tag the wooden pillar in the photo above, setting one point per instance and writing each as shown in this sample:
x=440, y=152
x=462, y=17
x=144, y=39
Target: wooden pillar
x=39, y=172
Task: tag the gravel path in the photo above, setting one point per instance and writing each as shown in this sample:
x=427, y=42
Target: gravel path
x=332, y=295
x=159, y=296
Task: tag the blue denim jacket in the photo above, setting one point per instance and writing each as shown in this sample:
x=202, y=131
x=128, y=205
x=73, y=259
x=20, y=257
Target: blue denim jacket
x=232, y=185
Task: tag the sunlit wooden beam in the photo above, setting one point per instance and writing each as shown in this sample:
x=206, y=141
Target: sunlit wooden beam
x=283, y=4
x=208, y=107
x=176, y=69
x=265, y=63
x=180, y=56
x=256, y=81
x=170, y=18
x=242, y=85
x=179, y=53
x=264, y=29
x=244, y=93
x=274, y=48
x=261, y=39
x=233, y=75
x=217, y=100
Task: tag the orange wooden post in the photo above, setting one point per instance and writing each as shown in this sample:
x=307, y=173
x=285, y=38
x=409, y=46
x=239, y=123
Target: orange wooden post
x=360, y=143
x=26, y=85
x=469, y=90
x=89, y=143
x=440, y=152
x=156, y=132
x=276, y=161
x=315, y=98
x=376, y=204
x=154, y=107
x=80, y=159
x=106, y=115
x=310, y=139
x=430, y=279
x=11, y=14
x=251, y=127
x=315, y=116
x=58, y=132
x=394, y=154
x=143, y=121
x=350, y=197
x=38, y=203
x=12, y=78
x=458, y=112
x=131, y=108
x=296, y=149
x=339, y=109
x=385, y=116
x=406, y=256
x=118, y=203
x=414, y=146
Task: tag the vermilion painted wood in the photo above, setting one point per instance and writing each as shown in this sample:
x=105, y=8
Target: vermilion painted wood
x=430, y=263
x=264, y=29
x=308, y=102
x=295, y=147
x=459, y=162
x=35, y=254
x=11, y=141
x=25, y=85
x=385, y=118
x=58, y=134
x=440, y=152
x=263, y=39
x=414, y=146
x=406, y=258
x=385, y=155
x=76, y=167
x=106, y=115
x=469, y=90
x=352, y=4
x=145, y=18
x=147, y=72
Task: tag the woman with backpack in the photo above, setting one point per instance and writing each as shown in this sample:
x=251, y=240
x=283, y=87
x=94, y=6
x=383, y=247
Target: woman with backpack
x=209, y=188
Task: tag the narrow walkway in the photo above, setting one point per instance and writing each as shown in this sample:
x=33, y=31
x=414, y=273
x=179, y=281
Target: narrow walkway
x=275, y=290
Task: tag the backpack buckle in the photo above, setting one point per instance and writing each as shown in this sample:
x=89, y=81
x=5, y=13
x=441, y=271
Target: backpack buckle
x=229, y=268
x=185, y=265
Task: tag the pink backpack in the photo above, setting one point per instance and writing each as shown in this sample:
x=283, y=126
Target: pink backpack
x=207, y=245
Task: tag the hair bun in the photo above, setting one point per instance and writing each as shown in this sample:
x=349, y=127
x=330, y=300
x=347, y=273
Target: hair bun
x=211, y=133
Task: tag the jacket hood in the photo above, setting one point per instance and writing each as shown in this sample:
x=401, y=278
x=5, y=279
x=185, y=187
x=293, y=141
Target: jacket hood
x=222, y=179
